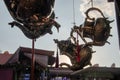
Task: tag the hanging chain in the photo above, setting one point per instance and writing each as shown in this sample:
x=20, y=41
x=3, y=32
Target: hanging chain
x=91, y=1
x=74, y=13
x=74, y=22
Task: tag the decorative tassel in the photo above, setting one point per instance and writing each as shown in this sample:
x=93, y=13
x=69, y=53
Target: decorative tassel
x=78, y=50
x=78, y=55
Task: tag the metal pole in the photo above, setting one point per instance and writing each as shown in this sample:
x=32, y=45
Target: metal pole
x=32, y=60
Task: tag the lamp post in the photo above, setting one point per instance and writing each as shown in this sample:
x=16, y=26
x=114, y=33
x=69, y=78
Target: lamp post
x=33, y=20
x=32, y=60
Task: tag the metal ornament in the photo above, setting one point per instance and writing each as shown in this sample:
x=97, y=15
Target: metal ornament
x=69, y=49
x=34, y=17
x=97, y=29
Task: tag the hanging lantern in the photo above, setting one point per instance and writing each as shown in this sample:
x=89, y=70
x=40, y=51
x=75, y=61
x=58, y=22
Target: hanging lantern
x=34, y=17
x=79, y=56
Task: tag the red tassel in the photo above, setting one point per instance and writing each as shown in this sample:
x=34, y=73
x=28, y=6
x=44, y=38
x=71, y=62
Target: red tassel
x=78, y=51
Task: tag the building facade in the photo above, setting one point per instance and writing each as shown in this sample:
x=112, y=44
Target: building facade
x=18, y=65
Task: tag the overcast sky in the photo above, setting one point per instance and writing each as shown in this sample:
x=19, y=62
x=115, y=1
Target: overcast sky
x=12, y=38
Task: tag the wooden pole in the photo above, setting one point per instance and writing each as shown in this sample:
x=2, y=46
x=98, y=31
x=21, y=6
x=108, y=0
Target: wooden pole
x=32, y=60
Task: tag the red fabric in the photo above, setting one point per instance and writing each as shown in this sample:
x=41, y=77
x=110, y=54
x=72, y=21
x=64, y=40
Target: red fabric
x=78, y=50
x=78, y=55
x=6, y=74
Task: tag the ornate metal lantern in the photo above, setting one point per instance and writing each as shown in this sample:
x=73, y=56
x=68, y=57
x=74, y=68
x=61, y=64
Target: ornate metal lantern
x=78, y=59
x=34, y=17
x=97, y=29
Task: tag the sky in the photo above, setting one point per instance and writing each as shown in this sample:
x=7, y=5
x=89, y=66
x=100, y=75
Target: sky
x=13, y=38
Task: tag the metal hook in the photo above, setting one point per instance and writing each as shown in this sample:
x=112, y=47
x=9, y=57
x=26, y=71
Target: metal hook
x=93, y=8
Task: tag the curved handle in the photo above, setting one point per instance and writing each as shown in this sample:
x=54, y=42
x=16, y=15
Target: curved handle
x=91, y=9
